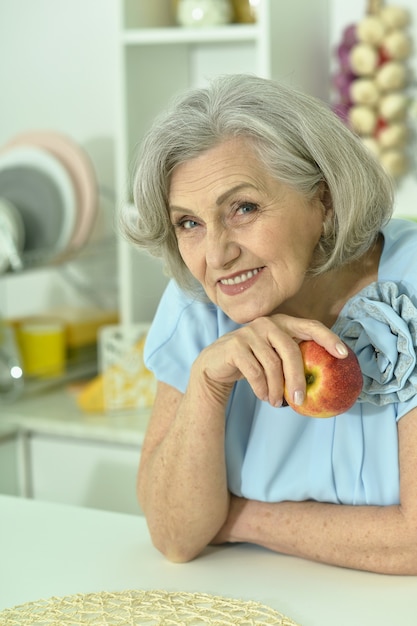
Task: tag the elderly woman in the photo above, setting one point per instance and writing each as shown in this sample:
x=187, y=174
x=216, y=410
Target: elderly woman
x=274, y=222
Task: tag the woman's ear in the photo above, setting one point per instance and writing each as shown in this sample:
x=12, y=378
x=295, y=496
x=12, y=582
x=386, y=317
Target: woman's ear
x=325, y=199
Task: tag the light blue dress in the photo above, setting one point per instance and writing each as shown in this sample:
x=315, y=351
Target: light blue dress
x=274, y=454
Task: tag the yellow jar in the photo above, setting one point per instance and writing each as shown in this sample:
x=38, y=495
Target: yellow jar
x=245, y=11
x=42, y=345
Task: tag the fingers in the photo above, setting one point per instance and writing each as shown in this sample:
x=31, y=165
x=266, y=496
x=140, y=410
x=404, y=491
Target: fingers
x=293, y=368
x=303, y=329
x=263, y=369
x=262, y=353
x=280, y=358
x=266, y=353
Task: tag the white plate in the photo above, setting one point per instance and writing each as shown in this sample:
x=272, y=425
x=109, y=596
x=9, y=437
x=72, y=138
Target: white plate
x=40, y=187
x=74, y=158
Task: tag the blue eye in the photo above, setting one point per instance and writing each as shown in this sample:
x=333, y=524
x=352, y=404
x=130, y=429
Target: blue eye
x=189, y=224
x=247, y=207
x=186, y=224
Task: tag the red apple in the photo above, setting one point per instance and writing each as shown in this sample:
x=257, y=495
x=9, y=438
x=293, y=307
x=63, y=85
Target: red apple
x=333, y=385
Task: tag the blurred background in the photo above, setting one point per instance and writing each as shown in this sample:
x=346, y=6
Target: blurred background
x=58, y=73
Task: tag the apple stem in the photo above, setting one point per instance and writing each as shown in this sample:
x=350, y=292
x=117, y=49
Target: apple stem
x=309, y=379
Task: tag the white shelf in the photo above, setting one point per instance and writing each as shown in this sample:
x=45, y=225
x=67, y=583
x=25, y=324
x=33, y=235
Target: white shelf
x=179, y=35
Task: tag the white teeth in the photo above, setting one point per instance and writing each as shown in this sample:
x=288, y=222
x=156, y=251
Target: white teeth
x=239, y=279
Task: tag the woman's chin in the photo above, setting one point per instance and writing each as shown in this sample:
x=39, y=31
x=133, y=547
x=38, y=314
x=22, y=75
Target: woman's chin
x=241, y=315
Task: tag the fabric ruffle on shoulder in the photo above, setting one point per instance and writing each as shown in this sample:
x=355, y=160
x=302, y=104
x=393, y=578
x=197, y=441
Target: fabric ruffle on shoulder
x=380, y=325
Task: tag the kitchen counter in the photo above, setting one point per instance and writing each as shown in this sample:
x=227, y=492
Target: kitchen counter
x=44, y=431
x=56, y=413
x=57, y=550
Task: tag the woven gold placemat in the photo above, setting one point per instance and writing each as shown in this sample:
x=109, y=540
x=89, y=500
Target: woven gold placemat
x=134, y=608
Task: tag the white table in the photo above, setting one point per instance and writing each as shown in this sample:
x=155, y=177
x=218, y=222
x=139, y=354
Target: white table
x=56, y=550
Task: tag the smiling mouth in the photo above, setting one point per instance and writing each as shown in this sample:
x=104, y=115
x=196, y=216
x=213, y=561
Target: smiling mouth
x=241, y=278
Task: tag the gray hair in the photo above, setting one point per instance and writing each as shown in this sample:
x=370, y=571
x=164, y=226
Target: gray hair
x=297, y=137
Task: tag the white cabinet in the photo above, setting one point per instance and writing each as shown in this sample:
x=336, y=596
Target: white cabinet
x=289, y=42
x=51, y=450
x=81, y=472
x=9, y=474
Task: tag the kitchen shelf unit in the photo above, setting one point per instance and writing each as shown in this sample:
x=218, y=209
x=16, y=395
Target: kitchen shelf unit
x=157, y=60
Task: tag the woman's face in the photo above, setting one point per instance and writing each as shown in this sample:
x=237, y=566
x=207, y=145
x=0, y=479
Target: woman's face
x=247, y=238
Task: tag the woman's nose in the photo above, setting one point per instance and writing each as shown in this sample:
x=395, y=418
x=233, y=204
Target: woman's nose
x=221, y=247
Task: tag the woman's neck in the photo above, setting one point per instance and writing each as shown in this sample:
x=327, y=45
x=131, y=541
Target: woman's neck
x=323, y=297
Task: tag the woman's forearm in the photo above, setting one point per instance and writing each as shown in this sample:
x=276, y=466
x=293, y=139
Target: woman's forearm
x=372, y=538
x=182, y=483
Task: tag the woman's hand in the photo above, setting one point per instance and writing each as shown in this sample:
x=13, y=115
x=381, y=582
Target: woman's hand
x=226, y=533
x=265, y=352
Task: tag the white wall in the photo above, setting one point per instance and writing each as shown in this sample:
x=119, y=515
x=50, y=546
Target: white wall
x=58, y=72
x=58, y=69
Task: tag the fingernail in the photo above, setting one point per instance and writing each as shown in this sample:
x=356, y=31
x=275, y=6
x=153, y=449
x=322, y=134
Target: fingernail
x=298, y=398
x=341, y=348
